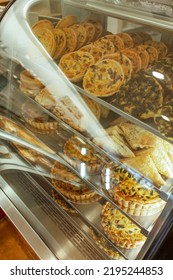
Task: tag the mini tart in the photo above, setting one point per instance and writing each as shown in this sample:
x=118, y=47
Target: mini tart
x=63, y=204
x=143, y=55
x=105, y=246
x=160, y=46
x=29, y=81
x=104, y=78
x=164, y=120
x=145, y=36
x=119, y=229
x=124, y=61
x=152, y=53
x=95, y=51
x=141, y=97
x=60, y=39
x=98, y=27
x=44, y=23
x=78, y=154
x=81, y=35
x=71, y=40
x=75, y=64
x=106, y=45
x=134, y=58
x=66, y=21
x=90, y=31
x=79, y=193
x=136, y=199
x=127, y=40
x=116, y=40
x=137, y=39
x=113, y=174
x=37, y=118
x=47, y=39
x=45, y=99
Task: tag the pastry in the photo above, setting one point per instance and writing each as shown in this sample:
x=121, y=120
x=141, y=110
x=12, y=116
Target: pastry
x=104, y=78
x=137, y=137
x=93, y=106
x=82, y=156
x=152, y=53
x=81, y=35
x=127, y=40
x=90, y=31
x=106, y=45
x=136, y=199
x=116, y=40
x=36, y=118
x=160, y=46
x=137, y=39
x=144, y=164
x=95, y=51
x=98, y=27
x=30, y=81
x=114, y=173
x=43, y=23
x=140, y=97
x=71, y=40
x=67, y=111
x=124, y=61
x=75, y=64
x=46, y=99
x=134, y=58
x=47, y=39
x=105, y=246
x=74, y=189
x=60, y=39
x=119, y=229
x=66, y=21
x=143, y=55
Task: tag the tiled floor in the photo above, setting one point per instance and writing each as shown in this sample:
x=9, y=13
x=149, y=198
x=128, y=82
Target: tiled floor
x=12, y=244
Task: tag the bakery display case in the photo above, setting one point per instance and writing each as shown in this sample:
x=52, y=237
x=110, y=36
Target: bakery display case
x=86, y=132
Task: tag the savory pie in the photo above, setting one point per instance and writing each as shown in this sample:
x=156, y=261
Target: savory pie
x=103, y=78
x=152, y=53
x=82, y=156
x=66, y=21
x=71, y=40
x=106, y=45
x=90, y=31
x=134, y=58
x=141, y=96
x=60, y=39
x=119, y=229
x=70, y=185
x=143, y=55
x=116, y=40
x=136, y=37
x=44, y=23
x=47, y=39
x=160, y=46
x=81, y=35
x=98, y=27
x=95, y=51
x=75, y=64
x=127, y=40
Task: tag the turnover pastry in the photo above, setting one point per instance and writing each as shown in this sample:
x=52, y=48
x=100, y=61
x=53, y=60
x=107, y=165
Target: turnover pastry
x=70, y=185
x=104, y=78
x=119, y=229
x=141, y=96
x=75, y=64
x=136, y=199
x=82, y=156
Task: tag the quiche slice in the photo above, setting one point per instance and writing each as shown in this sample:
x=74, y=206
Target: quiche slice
x=75, y=64
x=103, y=78
x=119, y=229
x=136, y=199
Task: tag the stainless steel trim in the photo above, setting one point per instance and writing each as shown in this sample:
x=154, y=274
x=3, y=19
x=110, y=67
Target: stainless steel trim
x=25, y=229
